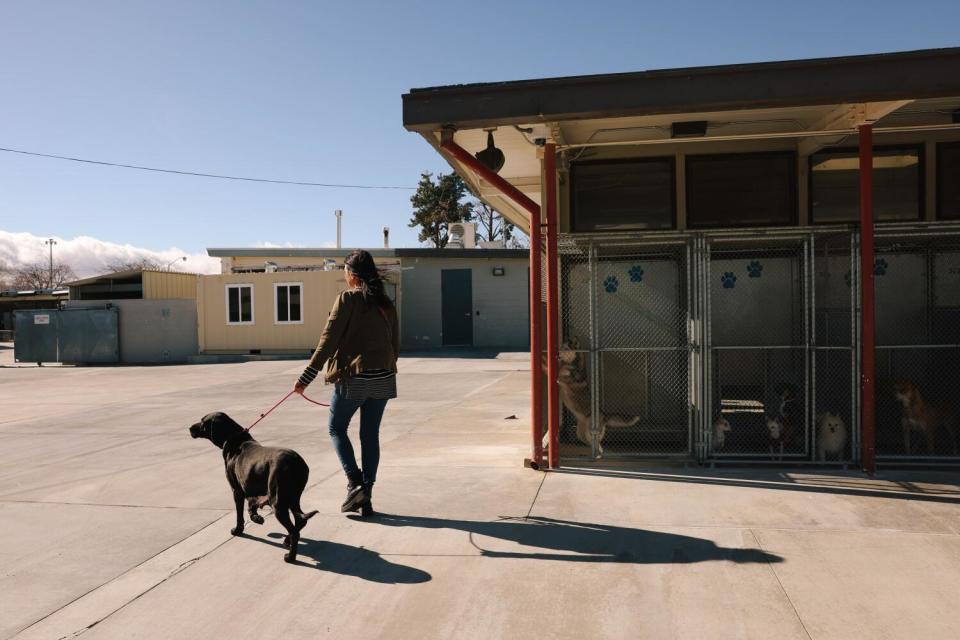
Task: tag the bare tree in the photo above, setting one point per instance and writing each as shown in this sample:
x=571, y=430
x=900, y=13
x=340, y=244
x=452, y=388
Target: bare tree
x=6, y=276
x=140, y=264
x=37, y=275
x=518, y=241
x=493, y=226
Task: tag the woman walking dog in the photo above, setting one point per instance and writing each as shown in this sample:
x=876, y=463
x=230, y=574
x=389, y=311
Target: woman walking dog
x=358, y=349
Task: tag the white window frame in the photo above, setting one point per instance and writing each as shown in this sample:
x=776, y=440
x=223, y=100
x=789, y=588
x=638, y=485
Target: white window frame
x=276, y=287
x=253, y=306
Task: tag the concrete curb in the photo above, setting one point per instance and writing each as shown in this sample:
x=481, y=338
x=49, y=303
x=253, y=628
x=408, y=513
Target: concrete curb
x=95, y=606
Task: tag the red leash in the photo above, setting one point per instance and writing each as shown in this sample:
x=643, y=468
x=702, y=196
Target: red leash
x=264, y=415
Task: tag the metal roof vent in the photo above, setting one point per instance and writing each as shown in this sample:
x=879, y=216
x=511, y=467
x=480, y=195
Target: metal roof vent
x=462, y=235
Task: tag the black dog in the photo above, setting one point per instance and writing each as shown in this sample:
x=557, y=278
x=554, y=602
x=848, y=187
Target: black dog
x=261, y=475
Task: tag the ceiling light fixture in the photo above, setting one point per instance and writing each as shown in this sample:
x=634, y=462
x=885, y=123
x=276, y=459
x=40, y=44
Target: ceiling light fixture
x=491, y=157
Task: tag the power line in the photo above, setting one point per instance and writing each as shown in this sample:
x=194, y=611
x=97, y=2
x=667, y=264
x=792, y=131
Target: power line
x=205, y=175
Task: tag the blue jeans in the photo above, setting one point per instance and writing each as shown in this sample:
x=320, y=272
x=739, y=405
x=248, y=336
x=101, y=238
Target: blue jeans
x=371, y=412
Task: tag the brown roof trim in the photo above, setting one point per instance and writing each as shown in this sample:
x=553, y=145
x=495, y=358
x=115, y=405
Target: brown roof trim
x=928, y=73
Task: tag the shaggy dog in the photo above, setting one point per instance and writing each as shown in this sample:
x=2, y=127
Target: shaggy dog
x=831, y=436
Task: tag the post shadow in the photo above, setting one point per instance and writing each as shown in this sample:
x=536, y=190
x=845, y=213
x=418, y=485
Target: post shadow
x=777, y=480
x=348, y=560
x=561, y=539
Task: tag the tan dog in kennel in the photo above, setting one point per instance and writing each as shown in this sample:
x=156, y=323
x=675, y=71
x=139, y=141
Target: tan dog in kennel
x=575, y=395
x=923, y=416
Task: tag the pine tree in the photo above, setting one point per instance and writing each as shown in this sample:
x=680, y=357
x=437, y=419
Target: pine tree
x=437, y=204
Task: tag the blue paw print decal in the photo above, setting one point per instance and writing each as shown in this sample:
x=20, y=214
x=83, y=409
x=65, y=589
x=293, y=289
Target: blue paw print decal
x=755, y=269
x=611, y=284
x=880, y=267
x=636, y=273
x=729, y=280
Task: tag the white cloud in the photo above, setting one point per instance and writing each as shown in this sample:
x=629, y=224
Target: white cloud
x=88, y=256
x=266, y=244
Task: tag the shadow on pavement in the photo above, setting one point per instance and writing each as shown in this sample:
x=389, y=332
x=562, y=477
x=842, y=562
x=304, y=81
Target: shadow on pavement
x=464, y=353
x=898, y=486
x=583, y=542
x=351, y=561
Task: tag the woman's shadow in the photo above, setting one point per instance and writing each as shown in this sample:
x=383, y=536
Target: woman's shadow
x=352, y=561
x=552, y=539
x=584, y=542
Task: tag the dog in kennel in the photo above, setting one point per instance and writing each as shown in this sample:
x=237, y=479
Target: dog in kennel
x=576, y=397
x=918, y=414
x=785, y=422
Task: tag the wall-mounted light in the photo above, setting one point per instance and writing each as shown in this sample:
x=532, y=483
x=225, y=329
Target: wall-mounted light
x=499, y=271
x=692, y=129
x=491, y=157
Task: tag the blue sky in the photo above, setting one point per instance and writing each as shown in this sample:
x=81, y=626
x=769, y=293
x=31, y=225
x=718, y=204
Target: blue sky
x=311, y=91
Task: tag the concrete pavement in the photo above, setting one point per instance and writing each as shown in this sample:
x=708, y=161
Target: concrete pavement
x=117, y=525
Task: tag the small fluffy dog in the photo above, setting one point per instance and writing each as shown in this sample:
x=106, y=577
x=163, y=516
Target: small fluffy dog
x=920, y=415
x=721, y=427
x=831, y=436
x=575, y=395
x=259, y=475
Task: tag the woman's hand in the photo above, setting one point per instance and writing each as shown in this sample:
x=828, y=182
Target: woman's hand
x=298, y=387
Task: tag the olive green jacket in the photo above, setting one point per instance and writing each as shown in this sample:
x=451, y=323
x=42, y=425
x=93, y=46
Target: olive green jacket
x=357, y=338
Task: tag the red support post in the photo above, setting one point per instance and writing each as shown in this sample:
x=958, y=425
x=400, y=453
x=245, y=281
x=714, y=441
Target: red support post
x=867, y=308
x=553, y=308
x=536, y=347
x=536, y=340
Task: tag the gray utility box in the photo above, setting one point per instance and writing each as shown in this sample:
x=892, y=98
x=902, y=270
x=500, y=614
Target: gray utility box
x=68, y=335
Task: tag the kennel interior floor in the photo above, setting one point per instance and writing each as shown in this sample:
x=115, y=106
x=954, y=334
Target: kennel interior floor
x=116, y=524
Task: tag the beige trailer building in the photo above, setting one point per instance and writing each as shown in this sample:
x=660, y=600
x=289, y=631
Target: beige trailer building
x=276, y=300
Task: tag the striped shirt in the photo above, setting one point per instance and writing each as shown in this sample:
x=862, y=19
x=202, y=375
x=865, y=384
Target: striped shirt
x=373, y=384
x=309, y=375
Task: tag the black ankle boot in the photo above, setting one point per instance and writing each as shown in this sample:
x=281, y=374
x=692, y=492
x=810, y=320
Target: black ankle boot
x=366, y=507
x=355, y=493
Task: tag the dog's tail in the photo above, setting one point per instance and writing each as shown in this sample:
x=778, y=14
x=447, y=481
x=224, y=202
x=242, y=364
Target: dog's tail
x=300, y=517
x=622, y=422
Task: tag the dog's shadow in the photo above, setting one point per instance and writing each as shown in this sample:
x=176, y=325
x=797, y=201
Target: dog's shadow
x=349, y=561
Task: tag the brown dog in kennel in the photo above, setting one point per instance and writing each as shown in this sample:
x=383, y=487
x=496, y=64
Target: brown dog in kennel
x=918, y=414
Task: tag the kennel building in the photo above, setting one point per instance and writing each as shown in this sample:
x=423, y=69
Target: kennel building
x=750, y=263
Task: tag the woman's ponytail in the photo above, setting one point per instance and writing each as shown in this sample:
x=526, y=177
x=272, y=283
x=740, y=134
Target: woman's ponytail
x=372, y=280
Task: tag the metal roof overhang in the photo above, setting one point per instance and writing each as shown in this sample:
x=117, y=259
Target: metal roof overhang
x=911, y=75
x=130, y=276
x=819, y=96
x=134, y=275
x=412, y=252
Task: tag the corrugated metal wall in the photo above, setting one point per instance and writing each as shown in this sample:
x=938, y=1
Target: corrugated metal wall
x=166, y=285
